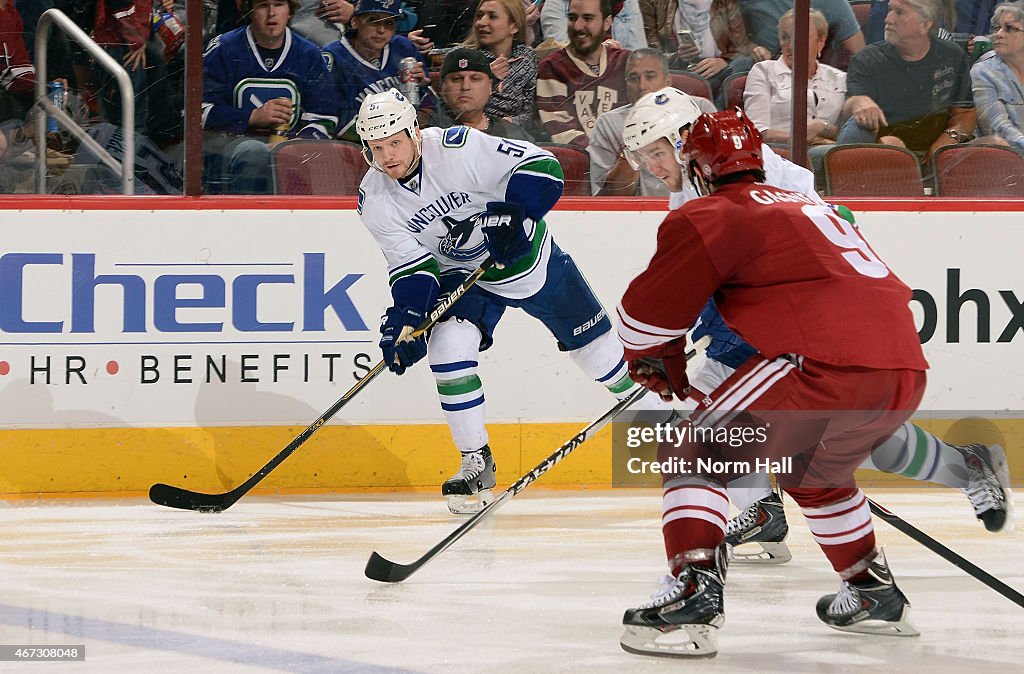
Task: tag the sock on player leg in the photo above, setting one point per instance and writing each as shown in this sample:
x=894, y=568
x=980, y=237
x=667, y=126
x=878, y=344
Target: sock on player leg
x=919, y=455
x=602, y=360
x=452, y=353
x=747, y=490
x=694, y=512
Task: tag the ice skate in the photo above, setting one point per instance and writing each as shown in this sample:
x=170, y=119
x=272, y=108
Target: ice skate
x=469, y=490
x=989, y=488
x=873, y=606
x=758, y=534
x=683, y=616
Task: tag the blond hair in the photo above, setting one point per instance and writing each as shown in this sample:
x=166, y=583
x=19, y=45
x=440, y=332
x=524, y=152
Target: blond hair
x=816, y=17
x=516, y=14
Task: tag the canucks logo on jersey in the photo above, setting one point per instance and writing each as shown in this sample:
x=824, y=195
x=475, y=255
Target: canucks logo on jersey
x=459, y=233
x=252, y=92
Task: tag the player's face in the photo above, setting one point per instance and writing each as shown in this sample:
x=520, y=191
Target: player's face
x=466, y=91
x=493, y=26
x=660, y=159
x=395, y=154
x=587, y=28
x=374, y=31
x=269, y=19
x=903, y=22
x=643, y=76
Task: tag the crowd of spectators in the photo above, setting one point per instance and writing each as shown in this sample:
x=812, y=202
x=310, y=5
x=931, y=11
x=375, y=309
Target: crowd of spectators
x=921, y=74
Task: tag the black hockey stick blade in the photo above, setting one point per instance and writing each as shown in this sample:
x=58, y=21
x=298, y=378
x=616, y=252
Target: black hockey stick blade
x=941, y=550
x=384, y=570
x=186, y=499
x=176, y=497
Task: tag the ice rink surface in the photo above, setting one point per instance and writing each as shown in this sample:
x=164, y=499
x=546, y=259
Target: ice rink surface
x=276, y=584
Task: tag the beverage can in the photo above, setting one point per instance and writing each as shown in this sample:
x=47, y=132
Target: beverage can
x=280, y=132
x=55, y=91
x=408, y=86
x=170, y=31
x=982, y=44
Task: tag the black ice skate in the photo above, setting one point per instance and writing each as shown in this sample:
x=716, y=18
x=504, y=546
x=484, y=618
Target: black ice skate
x=469, y=490
x=683, y=617
x=989, y=487
x=873, y=606
x=758, y=534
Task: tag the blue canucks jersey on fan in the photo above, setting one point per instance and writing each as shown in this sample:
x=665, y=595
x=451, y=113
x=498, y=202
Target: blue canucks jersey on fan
x=355, y=78
x=237, y=80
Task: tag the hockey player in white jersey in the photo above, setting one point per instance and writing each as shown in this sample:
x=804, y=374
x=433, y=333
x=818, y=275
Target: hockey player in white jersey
x=439, y=202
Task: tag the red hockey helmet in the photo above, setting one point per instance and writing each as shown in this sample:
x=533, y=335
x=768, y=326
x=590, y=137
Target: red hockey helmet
x=722, y=143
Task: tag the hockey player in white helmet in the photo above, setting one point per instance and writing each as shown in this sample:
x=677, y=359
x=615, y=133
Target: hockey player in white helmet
x=439, y=202
x=654, y=135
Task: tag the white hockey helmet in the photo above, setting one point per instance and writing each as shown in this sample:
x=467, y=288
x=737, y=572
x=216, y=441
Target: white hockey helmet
x=658, y=114
x=383, y=115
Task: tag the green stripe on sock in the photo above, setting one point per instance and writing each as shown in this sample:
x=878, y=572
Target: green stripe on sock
x=920, y=454
x=622, y=385
x=454, y=387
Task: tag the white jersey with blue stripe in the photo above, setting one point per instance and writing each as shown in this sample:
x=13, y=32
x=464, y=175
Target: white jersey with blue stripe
x=427, y=223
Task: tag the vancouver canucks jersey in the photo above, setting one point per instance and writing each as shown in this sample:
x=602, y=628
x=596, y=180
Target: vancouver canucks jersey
x=355, y=78
x=427, y=223
x=237, y=80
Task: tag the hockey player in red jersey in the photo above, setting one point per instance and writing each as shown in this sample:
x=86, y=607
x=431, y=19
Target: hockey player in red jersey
x=661, y=120
x=834, y=335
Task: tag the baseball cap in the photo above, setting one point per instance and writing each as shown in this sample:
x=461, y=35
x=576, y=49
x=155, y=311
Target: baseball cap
x=463, y=59
x=386, y=7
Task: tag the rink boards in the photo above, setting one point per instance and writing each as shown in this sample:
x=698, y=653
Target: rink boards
x=189, y=345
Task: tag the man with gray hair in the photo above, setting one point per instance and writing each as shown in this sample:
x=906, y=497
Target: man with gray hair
x=913, y=90
x=610, y=173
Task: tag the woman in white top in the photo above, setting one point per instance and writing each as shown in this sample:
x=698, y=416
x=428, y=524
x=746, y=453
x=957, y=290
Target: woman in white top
x=767, y=98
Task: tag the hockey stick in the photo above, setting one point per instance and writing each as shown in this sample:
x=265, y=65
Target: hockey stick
x=386, y=571
x=941, y=550
x=178, y=497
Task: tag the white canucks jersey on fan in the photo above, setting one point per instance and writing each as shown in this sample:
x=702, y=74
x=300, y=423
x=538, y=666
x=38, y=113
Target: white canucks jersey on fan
x=422, y=220
x=778, y=172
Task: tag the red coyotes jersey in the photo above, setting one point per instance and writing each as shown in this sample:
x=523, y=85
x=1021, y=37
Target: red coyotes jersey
x=788, y=275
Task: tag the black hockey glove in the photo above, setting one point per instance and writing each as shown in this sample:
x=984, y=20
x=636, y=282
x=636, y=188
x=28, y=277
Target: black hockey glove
x=504, y=233
x=400, y=352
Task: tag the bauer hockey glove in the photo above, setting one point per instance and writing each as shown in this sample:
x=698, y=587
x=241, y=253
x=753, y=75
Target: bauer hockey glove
x=400, y=352
x=666, y=375
x=504, y=232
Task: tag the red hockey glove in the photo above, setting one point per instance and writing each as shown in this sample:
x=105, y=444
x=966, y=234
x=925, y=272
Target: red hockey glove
x=666, y=375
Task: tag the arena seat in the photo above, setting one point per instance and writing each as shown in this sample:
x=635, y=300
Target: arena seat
x=978, y=171
x=734, y=85
x=866, y=170
x=691, y=83
x=576, y=167
x=323, y=167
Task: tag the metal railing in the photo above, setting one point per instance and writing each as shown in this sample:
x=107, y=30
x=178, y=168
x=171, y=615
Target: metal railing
x=126, y=167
